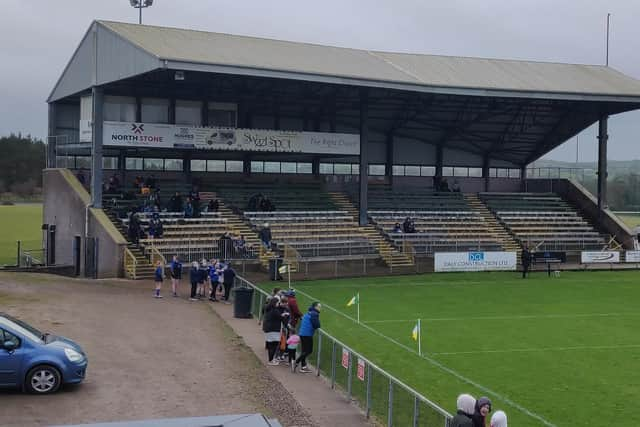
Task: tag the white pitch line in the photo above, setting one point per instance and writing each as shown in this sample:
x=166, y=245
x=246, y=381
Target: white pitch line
x=526, y=316
x=539, y=349
x=441, y=366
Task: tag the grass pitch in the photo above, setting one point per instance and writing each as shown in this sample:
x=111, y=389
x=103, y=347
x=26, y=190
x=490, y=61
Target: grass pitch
x=19, y=222
x=549, y=351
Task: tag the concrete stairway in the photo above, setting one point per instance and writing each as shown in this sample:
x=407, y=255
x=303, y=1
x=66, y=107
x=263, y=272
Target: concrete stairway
x=237, y=226
x=390, y=254
x=506, y=239
x=144, y=269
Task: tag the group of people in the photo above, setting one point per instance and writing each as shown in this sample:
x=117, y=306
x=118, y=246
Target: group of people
x=259, y=202
x=440, y=183
x=286, y=328
x=408, y=226
x=214, y=277
x=136, y=230
x=474, y=413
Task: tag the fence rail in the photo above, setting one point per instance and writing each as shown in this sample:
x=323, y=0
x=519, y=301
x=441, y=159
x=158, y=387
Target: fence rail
x=381, y=395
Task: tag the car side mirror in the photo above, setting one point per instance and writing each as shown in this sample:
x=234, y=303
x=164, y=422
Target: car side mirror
x=9, y=346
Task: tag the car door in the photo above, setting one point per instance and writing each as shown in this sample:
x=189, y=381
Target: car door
x=10, y=362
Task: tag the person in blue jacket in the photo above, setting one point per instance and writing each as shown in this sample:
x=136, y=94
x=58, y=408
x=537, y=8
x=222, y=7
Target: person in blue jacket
x=310, y=322
x=159, y=276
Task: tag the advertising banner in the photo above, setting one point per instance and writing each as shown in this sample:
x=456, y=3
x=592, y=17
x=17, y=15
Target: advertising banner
x=595, y=257
x=632, y=256
x=361, y=369
x=549, y=257
x=475, y=261
x=86, y=131
x=152, y=135
x=345, y=358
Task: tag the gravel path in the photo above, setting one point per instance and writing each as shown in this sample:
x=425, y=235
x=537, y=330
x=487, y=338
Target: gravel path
x=148, y=358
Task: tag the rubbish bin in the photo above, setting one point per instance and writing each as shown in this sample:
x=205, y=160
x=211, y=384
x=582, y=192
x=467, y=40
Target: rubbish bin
x=274, y=264
x=242, y=298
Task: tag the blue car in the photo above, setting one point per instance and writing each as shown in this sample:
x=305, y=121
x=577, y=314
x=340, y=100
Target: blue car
x=37, y=362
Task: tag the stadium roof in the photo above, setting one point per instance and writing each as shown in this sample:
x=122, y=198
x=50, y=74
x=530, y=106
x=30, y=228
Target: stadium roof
x=472, y=109
x=175, y=48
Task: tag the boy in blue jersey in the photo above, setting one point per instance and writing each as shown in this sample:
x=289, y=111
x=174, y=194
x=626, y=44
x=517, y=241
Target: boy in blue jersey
x=159, y=276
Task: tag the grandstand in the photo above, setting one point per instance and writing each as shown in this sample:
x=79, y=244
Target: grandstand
x=343, y=143
x=544, y=221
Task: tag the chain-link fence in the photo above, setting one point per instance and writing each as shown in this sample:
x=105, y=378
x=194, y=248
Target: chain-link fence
x=380, y=394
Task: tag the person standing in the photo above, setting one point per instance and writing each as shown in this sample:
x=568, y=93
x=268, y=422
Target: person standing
x=228, y=276
x=482, y=409
x=194, y=277
x=176, y=274
x=310, y=323
x=526, y=260
x=499, y=419
x=466, y=407
x=159, y=275
x=265, y=236
x=271, y=326
x=296, y=314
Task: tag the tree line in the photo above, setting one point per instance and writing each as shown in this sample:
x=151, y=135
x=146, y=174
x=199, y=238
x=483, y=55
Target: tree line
x=22, y=159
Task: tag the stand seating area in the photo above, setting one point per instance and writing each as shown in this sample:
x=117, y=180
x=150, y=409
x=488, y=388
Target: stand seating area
x=544, y=221
x=305, y=221
x=443, y=221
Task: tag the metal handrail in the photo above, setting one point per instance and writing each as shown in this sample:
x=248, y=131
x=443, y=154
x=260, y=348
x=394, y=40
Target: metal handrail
x=392, y=380
x=130, y=262
x=155, y=256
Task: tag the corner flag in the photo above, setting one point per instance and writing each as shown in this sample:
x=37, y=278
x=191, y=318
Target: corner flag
x=416, y=334
x=355, y=300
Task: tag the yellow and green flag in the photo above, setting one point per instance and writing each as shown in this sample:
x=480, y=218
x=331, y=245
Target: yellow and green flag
x=354, y=300
x=415, y=332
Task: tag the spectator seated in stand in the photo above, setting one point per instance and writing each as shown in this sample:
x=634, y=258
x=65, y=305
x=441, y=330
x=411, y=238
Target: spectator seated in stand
x=254, y=202
x=455, y=187
x=239, y=246
x=213, y=205
x=138, y=182
x=265, y=236
x=145, y=190
x=397, y=228
x=188, y=208
x=408, y=226
x=155, y=229
x=175, y=203
x=150, y=181
x=444, y=186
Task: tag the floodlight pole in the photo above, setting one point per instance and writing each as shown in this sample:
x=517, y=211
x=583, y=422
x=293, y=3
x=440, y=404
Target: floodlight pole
x=607, y=56
x=140, y=16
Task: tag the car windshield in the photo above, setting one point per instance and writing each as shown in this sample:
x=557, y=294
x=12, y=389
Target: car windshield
x=21, y=327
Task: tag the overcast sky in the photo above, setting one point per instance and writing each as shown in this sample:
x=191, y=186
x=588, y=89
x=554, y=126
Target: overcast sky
x=37, y=38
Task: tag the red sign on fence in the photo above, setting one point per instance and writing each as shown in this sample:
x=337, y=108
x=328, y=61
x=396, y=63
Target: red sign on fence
x=345, y=358
x=360, y=369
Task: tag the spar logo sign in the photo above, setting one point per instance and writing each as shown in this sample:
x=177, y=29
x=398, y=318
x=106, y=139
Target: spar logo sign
x=475, y=261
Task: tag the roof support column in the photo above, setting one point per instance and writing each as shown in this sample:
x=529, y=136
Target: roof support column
x=52, y=140
x=603, y=137
x=523, y=178
x=485, y=171
x=96, y=146
x=364, y=155
x=186, y=166
x=315, y=167
x=439, y=160
x=389, y=158
x=246, y=165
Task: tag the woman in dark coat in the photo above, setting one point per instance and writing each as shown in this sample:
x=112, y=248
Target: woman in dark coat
x=482, y=409
x=271, y=326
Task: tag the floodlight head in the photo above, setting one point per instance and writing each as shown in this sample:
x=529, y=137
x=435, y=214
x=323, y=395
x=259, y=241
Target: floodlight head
x=134, y=3
x=148, y=3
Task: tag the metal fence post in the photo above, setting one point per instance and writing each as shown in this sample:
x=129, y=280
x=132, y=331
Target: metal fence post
x=368, y=408
x=319, y=354
x=333, y=365
x=18, y=255
x=349, y=374
x=390, y=407
x=416, y=410
x=260, y=309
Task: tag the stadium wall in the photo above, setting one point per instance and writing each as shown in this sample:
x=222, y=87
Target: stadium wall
x=65, y=206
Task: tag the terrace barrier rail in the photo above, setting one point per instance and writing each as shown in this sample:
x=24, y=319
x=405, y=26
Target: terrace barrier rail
x=380, y=395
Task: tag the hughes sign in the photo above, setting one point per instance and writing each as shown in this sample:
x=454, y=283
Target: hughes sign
x=124, y=134
x=474, y=261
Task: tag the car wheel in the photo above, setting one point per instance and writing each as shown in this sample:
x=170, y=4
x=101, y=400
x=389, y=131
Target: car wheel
x=43, y=379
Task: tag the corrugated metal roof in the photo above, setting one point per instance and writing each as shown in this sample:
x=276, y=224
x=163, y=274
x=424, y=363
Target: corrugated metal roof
x=201, y=47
